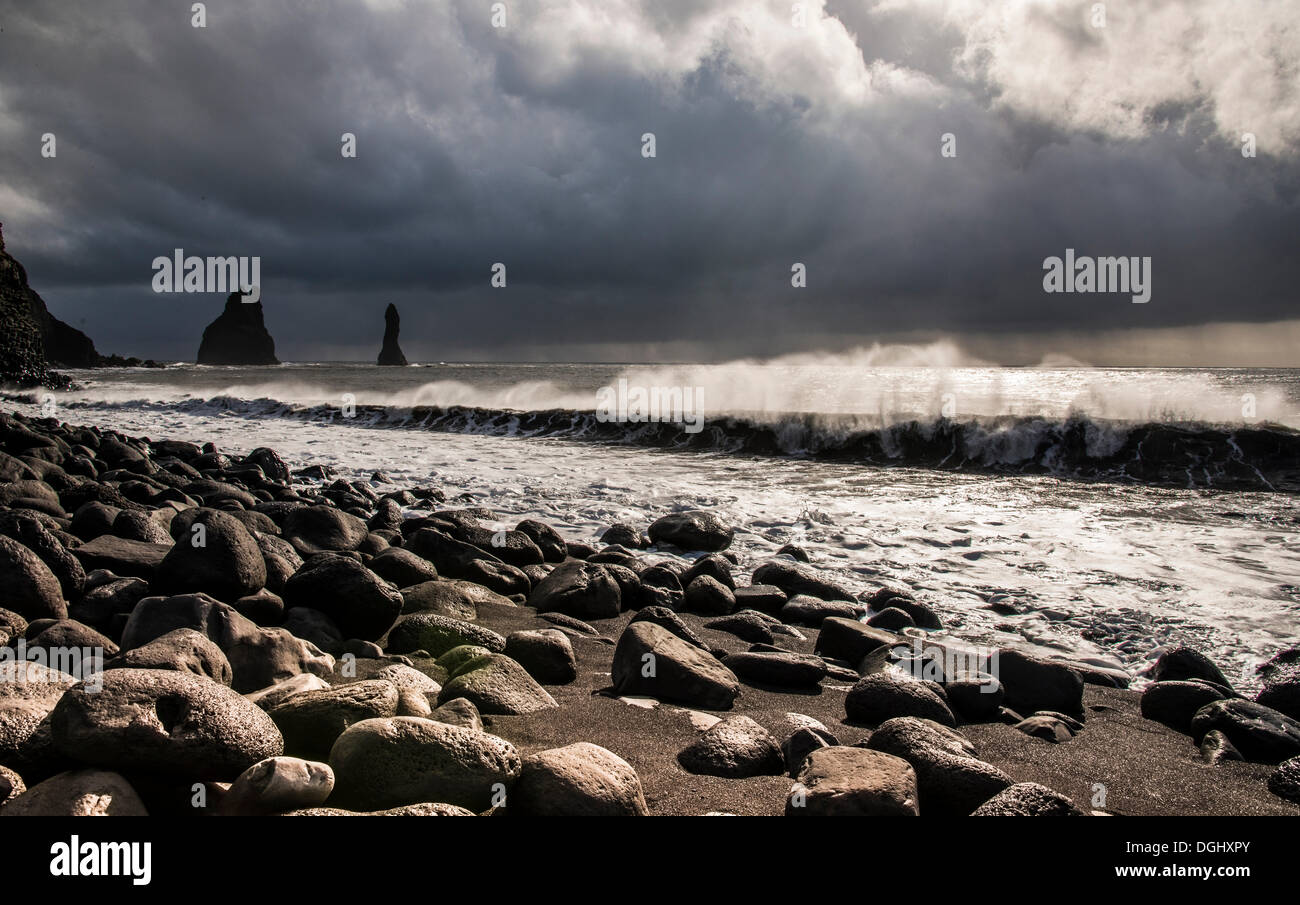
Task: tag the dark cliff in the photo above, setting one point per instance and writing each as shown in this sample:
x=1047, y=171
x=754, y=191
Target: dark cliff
x=22, y=345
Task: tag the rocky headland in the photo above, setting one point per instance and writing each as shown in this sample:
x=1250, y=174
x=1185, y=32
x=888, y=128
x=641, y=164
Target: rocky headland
x=291, y=642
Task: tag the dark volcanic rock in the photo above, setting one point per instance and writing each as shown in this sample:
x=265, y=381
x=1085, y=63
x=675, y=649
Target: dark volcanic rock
x=391, y=353
x=744, y=625
x=450, y=597
x=765, y=598
x=651, y=660
x=813, y=611
x=735, y=747
x=569, y=623
x=439, y=634
x=1032, y=684
x=11, y=785
x=361, y=603
x=975, y=696
x=1047, y=728
x=32, y=534
x=795, y=578
x=951, y=780
x=402, y=567
x=666, y=618
x=27, y=586
x=68, y=633
x=79, y=793
x=323, y=529
x=850, y=640
x=694, y=530
x=1285, y=780
x=1260, y=733
x=804, y=740
x=312, y=721
x=705, y=594
x=547, y=539
x=547, y=654
x=30, y=337
x=278, y=784
x=1215, y=748
x=1179, y=663
x=1281, y=677
x=1283, y=696
x=1028, y=799
x=579, y=589
x=781, y=669
x=496, y=684
x=238, y=336
x=1174, y=703
x=181, y=650
x=714, y=565
x=134, y=558
x=258, y=656
x=28, y=692
x=892, y=619
x=98, y=606
x=624, y=535
x=222, y=560
x=883, y=696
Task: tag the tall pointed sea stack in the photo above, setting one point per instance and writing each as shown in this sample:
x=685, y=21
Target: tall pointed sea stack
x=238, y=336
x=391, y=353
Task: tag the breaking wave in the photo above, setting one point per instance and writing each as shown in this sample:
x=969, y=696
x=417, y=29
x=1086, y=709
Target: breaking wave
x=1262, y=457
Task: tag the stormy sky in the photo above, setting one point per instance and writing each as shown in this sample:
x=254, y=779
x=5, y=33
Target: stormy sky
x=775, y=143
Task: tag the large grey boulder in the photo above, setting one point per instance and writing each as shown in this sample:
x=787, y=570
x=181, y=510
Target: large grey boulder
x=165, y=722
x=385, y=763
x=578, y=780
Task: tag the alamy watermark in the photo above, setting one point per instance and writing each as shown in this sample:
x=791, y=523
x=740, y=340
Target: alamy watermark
x=213, y=274
x=1111, y=274
x=83, y=663
x=639, y=405
x=75, y=858
x=941, y=664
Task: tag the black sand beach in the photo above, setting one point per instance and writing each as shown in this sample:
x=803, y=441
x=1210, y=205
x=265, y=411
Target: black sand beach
x=292, y=641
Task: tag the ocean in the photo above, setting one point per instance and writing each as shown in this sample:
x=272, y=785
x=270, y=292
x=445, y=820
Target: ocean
x=1115, y=511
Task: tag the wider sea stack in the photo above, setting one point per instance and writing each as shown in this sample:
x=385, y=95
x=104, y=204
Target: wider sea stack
x=238, y=336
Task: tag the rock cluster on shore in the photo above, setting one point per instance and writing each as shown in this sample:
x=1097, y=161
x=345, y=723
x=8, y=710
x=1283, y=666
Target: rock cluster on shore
x=291, y=643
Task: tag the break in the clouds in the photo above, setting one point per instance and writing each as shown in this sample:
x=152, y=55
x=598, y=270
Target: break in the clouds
x=775, y=144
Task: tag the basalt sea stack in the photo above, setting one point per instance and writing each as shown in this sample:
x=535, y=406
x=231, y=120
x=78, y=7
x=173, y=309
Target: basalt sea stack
x=238, y=336
x=391, y=353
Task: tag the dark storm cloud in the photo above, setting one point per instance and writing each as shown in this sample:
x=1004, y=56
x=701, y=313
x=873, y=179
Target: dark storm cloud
x=522, y=145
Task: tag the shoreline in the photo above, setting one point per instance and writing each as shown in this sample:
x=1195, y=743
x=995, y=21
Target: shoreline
x=559, y=679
